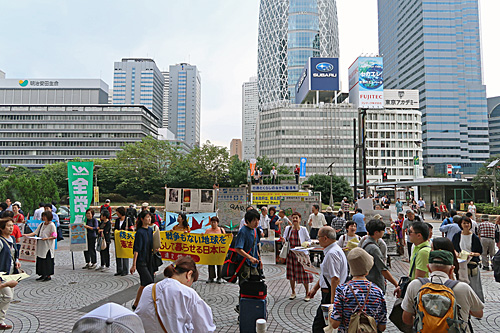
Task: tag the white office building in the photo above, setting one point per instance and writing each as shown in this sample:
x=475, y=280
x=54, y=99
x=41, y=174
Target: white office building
x=394, y=138
x=250, y=114
x=166, y=85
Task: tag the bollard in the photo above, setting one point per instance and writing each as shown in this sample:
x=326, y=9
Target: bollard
x=261, y=326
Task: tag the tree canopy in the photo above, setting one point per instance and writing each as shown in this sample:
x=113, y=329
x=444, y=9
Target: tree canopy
x=340, y=187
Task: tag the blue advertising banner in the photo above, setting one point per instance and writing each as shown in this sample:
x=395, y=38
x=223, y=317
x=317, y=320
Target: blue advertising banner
x=324, y=74
x=303, y=162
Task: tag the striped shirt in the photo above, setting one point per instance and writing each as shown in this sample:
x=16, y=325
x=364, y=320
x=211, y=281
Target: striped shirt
x=486, y=230
x=345, y=304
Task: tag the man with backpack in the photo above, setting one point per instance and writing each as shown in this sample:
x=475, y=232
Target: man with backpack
x=107, y=207
x=157, y=218
x=359, y=305
x=430, y=305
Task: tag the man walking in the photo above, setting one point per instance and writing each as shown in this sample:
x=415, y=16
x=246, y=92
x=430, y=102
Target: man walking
x=419, y=235
x=264, y=220
x=399, y=206
x=407, y=223
x=441, y=268
x=316, y=221
x=486, y=233
x=333, y=273
x=359, y=218
x=379, y=271
x=421, y=207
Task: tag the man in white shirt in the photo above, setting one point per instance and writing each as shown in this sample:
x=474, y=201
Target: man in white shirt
x=38, y=212
x=274, y=175
x=333, y=273
x=283, y=220
x=316, y=221
x=264, y=221
x=242, y=222
x=441, y=268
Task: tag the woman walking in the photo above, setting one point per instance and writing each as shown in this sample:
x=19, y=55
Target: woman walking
x=143, y=253
x=91, y=225
x=296, y=235
x=215, y=229
x=45, y=247
x=467, y=241
x=105, y=234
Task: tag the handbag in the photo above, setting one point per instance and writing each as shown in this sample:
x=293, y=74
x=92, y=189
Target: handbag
x=396, y=317
x=286, y=247
x=156, y=239
x=157, y=260
x=156, y=309
x=103, y=244
x=98, y=244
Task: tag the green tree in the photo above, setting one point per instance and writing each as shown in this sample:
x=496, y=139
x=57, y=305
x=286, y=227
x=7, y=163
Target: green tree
x=484, y=176
x=340, y=187
x=238, y=171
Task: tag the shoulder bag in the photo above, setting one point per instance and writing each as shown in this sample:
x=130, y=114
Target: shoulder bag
x=286, y=246
x=156, y=309
x=233, y=264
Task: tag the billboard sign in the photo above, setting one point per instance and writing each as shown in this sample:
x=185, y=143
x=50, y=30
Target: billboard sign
x=303, y=162
x=320, y=74
x=366, y=83
x=401, y=99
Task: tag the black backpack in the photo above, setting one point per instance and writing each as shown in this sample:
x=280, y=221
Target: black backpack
x=104, y=209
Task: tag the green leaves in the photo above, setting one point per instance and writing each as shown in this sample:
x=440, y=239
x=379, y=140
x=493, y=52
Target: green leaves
x=340, y=187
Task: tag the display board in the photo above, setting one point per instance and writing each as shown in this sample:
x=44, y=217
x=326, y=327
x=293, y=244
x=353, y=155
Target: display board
x=230, y=214
x=302, y=205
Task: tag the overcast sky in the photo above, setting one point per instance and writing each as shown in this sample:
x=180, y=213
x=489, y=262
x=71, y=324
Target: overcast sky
x=82, y=39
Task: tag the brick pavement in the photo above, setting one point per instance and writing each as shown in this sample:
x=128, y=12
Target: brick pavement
x=56, y=305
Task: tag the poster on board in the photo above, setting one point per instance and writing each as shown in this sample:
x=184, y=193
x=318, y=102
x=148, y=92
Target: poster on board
x=207, y=201
x=302, y=205
x=191, y=200
x=78, y=237
x=28, y=249
x=173, y=200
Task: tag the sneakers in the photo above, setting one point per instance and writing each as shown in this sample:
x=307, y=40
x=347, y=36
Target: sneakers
x=292, y=296
x=104, y=269
x=219, y=281
x=99, y=268
x=92, y=266
x=87, y=266
x=307, y=299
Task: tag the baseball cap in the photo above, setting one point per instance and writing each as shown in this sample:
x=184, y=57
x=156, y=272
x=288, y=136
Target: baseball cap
x=145, y=204
x=107, y=200
x=109, y=317
x=441, y=257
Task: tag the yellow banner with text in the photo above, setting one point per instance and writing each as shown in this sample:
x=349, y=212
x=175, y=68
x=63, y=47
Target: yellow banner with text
x=273, y=198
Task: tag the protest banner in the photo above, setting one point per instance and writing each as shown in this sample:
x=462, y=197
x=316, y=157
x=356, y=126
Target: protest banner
x=302, y=255
x=80, y=178
x=302, y=205
x=198, y=222
x=78, y=237
x=204, y=249
x=28, y=249
x=230, y=214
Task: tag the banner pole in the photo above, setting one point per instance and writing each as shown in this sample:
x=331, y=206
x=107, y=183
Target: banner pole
x=73, y=260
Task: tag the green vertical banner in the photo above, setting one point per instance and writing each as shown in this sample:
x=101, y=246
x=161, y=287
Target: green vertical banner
x=80, y=181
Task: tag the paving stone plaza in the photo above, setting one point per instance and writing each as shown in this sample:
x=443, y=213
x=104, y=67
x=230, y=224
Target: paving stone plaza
x=54, y=306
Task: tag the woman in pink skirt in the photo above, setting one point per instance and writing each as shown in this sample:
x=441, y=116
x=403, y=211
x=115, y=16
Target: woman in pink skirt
x=296, y=235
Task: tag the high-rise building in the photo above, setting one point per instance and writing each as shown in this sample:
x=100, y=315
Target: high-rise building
x=235, y=148
x=494, y=124
x=184, y=103
x=110, y=96
x=139, y=81
x=291, y=31
x=36, y=135
x=434, y=46
x=250, y=114
x=53, y=91
x=166, y=80
x=2, y=74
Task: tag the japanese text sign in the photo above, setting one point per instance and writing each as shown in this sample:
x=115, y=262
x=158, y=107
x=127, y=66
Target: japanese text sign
x=204, y=249
x=80, y=177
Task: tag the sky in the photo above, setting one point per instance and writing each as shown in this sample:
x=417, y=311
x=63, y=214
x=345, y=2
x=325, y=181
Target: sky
x=82, y=39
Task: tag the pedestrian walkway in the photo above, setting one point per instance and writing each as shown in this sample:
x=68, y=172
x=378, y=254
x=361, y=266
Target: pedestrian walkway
x=54, y=306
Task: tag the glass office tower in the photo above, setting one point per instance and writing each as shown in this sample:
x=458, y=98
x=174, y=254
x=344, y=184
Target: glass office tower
x=434, y=46
x=291, y=31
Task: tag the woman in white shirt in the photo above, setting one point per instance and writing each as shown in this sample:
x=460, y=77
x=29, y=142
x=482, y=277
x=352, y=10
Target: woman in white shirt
x=351, y=234
x=171, y=305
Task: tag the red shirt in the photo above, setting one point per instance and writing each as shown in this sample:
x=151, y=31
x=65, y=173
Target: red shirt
x=16, y=232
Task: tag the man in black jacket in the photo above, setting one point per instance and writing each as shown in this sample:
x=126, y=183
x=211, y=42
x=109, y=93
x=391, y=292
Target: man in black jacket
x=122, y=223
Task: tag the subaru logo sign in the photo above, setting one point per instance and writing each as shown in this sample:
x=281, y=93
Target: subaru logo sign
x=324, y=67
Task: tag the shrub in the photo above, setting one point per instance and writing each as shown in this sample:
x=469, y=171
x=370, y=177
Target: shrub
x=114, y=197
x=157, y=198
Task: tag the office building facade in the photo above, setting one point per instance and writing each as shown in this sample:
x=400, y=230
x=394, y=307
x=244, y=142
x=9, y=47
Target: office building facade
x=494, y=124
x=166, y=85
x=184, y=103
x=53, y=91
x=291, y=31
x=250, y=114
x=434, y=46
x=139, y=81
x=235, y=148
x=36, y=135
x=323, y=133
